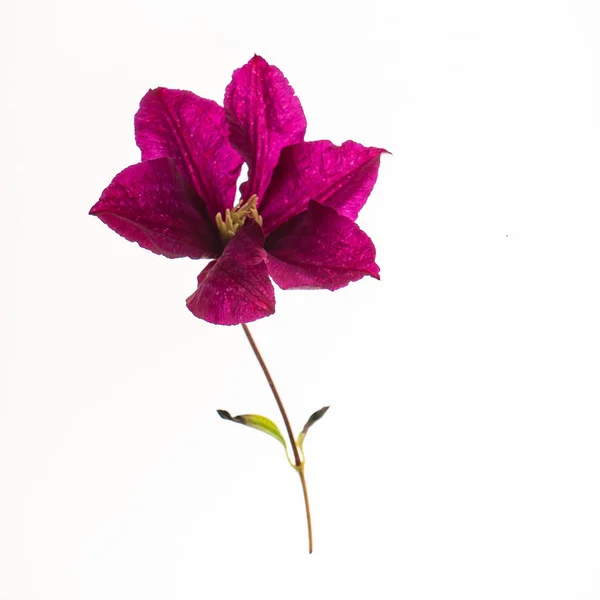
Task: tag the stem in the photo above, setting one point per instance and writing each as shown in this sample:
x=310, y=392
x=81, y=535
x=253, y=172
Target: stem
x=297, y=460
x=307, y=505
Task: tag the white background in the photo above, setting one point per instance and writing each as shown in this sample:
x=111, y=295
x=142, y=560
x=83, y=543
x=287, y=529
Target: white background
x=461, y=455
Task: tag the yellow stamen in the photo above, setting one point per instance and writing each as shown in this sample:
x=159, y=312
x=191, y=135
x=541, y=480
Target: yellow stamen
x=236, y=217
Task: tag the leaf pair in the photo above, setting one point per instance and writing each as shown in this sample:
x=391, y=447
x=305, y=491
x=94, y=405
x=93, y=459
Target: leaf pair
x=267, y=426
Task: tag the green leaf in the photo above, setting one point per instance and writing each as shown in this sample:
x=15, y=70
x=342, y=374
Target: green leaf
x=311, y=421
x=256, y=422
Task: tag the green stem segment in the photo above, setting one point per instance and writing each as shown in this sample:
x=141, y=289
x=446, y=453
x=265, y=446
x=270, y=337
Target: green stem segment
x=297, y=459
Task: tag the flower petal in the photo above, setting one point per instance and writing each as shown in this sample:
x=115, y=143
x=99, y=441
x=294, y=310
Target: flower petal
x=264, y=116
x=236, y=288
x=151, y=203
x=338, y=176
x=178, y=124
x=320, y=249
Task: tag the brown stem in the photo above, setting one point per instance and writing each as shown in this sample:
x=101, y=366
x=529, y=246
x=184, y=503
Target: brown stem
x=297, y=460
x=307, y=505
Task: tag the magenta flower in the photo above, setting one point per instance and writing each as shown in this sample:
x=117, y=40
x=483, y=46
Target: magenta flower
x=295, y=220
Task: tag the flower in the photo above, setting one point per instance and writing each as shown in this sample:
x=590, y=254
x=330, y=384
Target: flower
x=295, y=220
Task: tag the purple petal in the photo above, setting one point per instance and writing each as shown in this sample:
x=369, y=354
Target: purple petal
x=320, y=249
x=193, y=131
x=338, y=176
x=151, y=203
x=264, y=116
x=236, y=288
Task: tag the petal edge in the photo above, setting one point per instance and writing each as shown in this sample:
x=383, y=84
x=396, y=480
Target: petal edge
x=236, y=288
x=193, y=131
x=264, y=115
x=320, y=249
x=150, y=203
x=338, y=176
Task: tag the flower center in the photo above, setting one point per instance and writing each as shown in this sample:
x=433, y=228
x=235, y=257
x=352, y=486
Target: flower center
x=236, y=217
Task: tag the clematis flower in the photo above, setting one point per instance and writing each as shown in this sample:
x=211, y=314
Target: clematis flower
x=295, y=221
